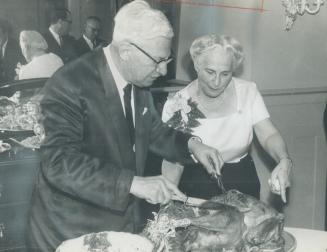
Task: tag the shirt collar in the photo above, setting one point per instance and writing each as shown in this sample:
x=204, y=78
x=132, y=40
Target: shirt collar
x=119, y=79
x=3, y=49
x=55, y=35
x=88, y=41
x=121, y=83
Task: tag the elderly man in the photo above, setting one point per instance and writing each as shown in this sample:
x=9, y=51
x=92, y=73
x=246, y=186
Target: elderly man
x=10, y=54
x=90, y=39
x=40, y=63
x=100, y=123
x=58, y=38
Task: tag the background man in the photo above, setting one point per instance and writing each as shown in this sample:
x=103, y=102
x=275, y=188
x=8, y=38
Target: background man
x=99, y=129
x=90, y=39
x=58, y=38
x=10, y=54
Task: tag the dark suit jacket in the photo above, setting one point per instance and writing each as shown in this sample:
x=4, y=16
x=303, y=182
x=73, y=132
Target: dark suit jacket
x=8, y=63
x=81, y=47
x=88, y=161
x=66, y=51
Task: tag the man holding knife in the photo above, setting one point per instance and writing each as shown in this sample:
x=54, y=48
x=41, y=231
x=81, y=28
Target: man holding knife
x=100, y=123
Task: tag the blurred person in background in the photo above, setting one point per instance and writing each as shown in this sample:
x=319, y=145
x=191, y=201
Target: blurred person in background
x=10, y=53
x=90, y=39
x=57, y=36
x=40, y=63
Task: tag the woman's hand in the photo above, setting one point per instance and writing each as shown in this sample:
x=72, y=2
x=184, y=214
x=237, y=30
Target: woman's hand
x=280, y=178
x=209, y=157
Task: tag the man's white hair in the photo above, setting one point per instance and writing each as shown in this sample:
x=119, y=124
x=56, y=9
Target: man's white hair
x=32, y=40
x=137, y=22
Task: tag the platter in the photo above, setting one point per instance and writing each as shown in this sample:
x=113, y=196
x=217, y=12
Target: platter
x=289, y=246
x=17, y=134
x=290, y=242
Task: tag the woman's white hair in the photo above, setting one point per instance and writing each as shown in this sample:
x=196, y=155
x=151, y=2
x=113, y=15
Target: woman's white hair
x=32, y=40
x=137, y=21
x=209, y=42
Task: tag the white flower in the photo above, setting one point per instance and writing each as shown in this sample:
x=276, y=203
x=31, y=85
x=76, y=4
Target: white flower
x=178, y=103
x=184, y=116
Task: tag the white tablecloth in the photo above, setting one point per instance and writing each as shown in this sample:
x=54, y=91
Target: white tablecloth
x=309, y=240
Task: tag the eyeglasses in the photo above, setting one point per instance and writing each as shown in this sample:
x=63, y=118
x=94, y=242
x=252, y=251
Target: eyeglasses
x=157, y=62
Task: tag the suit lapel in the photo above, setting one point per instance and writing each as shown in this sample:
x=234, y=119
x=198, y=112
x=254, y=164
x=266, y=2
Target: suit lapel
x=54, y=41
x=116, y=113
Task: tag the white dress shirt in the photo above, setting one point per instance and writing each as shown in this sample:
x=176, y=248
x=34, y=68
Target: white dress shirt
x=56, y=36
x=121, y=83
x=3, y=49
x=42, y=66
x=88, y=42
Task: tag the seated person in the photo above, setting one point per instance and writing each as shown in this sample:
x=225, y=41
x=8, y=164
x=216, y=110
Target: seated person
x=224, y=111
x=90, y=39
x=10, y=54
x=40, y=63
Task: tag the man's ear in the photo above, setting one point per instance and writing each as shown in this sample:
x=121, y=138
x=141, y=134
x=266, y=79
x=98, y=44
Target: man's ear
x=124, y=50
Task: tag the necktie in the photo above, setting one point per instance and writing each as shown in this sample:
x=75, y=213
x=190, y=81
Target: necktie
x=129, y=111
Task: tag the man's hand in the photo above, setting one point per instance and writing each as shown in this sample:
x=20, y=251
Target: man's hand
x=156, y=189
x=280, y=178
x=209, y=157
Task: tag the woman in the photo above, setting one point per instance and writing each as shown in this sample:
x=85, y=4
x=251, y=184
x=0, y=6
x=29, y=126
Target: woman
x=224, y=111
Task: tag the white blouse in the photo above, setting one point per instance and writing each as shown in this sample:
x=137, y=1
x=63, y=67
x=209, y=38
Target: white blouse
x=232, y=134
x=43, y=66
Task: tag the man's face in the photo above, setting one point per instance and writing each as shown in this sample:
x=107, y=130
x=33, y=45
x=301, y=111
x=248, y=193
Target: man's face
x=65, y=25
x=142, y=69
x=92, y=29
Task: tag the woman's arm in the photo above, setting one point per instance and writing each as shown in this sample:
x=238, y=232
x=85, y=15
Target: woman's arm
x=273, y=143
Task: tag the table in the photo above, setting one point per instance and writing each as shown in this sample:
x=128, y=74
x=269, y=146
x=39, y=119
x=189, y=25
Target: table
x=309, y=240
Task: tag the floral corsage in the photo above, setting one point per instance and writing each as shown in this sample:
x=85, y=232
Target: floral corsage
x=183, y=113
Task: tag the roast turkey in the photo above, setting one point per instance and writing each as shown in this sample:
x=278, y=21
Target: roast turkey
x=231, y=222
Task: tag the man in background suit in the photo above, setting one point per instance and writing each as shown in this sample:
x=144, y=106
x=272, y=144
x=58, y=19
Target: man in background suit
x=90, y=39
x=10, y=54
x=99, y=128
x=57, y=36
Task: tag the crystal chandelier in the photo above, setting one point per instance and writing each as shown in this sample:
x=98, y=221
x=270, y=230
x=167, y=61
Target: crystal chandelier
x=299, y=7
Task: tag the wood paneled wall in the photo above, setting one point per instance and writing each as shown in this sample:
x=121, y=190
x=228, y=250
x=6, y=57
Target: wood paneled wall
x=28, y=14
x=299, y=117
x=103, y=9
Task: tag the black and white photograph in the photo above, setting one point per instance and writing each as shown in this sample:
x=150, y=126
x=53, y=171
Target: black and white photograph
x=163, y=126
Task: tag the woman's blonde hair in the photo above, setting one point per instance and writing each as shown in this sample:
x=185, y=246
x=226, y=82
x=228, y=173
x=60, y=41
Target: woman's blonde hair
x=209, y=42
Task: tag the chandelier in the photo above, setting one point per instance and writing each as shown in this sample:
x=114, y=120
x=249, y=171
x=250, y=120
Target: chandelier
x=299, y=7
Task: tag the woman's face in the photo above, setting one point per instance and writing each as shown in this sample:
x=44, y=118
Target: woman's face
x=214, y=69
